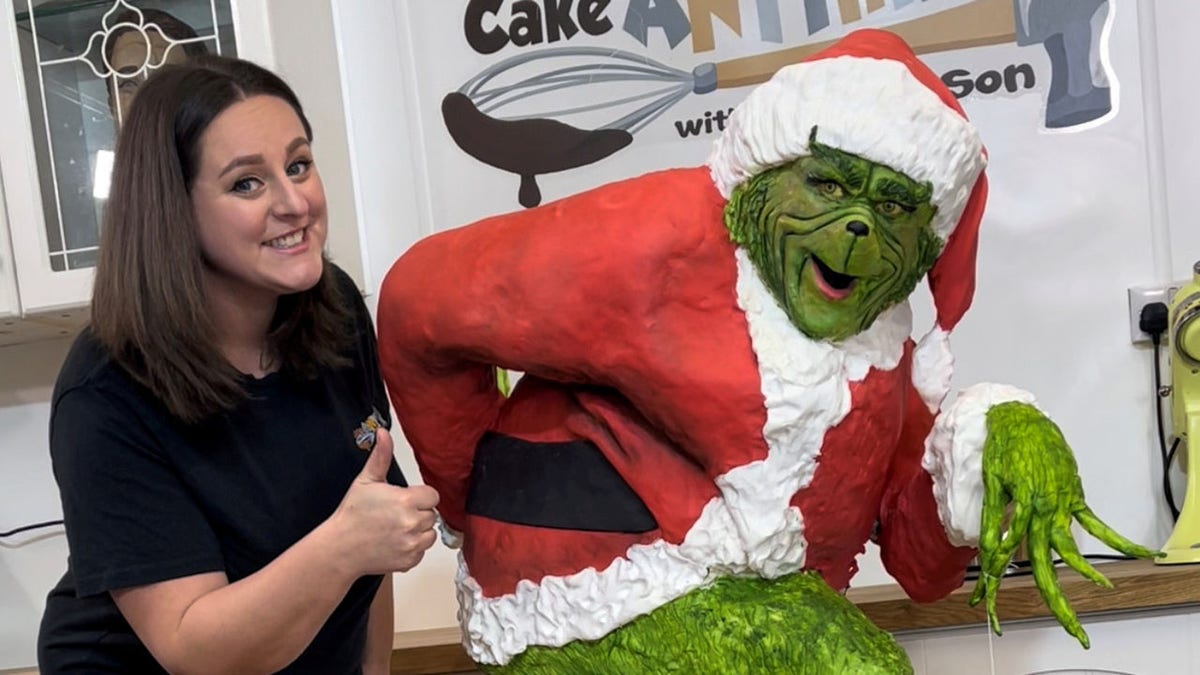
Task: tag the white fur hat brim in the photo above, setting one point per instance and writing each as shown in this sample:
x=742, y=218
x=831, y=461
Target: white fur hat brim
x=873, y=108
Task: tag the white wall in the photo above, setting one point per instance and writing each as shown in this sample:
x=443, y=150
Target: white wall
x=1180, y=98
x=1146, y=644
x=383, y=137
x=29, y=564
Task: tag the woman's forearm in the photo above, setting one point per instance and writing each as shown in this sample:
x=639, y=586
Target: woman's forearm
x=257, y=624
x=262, y=623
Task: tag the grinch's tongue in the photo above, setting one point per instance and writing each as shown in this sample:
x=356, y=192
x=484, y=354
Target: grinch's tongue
x=835, y=285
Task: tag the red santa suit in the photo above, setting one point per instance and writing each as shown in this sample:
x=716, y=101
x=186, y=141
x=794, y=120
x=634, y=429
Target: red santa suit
x=645, y=332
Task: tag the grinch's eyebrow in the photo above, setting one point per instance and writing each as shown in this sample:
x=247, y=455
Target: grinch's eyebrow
x=852, y=169
x=902, y=189
x=898, y=191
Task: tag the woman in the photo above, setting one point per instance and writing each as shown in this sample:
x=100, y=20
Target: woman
x=206, y=429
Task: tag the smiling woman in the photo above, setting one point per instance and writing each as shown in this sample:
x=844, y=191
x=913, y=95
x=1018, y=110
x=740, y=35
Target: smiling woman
x=206, y=428
x=198, y=220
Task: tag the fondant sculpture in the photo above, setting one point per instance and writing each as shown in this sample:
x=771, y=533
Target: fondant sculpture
x=721, y=402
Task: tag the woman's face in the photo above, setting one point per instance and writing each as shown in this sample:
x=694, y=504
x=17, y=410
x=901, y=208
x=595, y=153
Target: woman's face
x=258, y=203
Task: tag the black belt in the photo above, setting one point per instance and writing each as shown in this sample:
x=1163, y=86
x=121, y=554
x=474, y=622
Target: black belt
x=563, y=485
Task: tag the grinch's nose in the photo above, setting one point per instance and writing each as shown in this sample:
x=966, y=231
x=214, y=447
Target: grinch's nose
x=858, y=228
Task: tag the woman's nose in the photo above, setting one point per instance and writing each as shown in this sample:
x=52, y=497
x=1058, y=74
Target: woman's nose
x=289, y=200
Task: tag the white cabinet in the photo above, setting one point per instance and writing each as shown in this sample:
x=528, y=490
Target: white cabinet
x=43, y=286
x=67, y=72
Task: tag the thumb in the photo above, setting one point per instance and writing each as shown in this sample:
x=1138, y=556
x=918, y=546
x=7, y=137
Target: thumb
x=376, y=468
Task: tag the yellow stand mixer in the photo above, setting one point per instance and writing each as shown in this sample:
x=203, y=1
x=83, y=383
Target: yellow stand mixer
x=1184, y=329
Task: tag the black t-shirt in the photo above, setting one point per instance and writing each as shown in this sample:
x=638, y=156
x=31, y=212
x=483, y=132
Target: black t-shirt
x=147, y=498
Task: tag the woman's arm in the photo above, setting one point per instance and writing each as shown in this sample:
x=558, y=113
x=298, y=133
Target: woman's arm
x=204, y=624
x=377, y=654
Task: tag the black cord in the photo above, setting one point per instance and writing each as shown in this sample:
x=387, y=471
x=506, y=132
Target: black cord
x=1164, y=454
x=1153, y=321
x=26, y=528
x=1025, y=567
x=1167, y=479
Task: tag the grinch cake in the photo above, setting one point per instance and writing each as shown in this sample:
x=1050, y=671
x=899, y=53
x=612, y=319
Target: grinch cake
x=721, y=399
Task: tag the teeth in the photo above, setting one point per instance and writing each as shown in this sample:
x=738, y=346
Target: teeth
x=287, y=241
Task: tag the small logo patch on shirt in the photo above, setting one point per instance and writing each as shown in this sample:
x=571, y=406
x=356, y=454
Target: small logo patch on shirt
x=364, y=435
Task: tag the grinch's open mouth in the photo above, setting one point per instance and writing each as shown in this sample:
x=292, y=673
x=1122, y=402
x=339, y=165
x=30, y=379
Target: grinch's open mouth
x=834, y=285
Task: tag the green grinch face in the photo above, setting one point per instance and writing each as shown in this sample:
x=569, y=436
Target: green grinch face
x=836, y=238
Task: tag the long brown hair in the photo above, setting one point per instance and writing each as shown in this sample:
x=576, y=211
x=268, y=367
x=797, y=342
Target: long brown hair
x=148, y=304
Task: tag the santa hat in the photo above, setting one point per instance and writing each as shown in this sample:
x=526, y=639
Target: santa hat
x=869, y=95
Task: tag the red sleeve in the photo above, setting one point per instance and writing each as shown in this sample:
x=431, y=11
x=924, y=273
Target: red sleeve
x=629, y=286
x=912, y=541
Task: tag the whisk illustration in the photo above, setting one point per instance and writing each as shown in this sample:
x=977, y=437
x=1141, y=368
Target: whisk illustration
x=510, y=115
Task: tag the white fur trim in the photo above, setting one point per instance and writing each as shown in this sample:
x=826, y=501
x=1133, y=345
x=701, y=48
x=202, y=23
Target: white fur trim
x=806, y=391
x=751, y=529
x=590, y=604
x=932, y=367
x=873, y=108
x=954, y=457
x=451, y=538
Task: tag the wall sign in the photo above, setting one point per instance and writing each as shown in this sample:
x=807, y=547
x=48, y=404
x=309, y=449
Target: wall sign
x=549, y=86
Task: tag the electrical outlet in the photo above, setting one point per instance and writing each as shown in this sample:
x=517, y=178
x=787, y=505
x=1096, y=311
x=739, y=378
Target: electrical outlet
x=1139, y=297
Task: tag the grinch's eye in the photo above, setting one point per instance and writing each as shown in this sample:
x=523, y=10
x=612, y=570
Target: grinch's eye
x=830, y=189
x=892, y=209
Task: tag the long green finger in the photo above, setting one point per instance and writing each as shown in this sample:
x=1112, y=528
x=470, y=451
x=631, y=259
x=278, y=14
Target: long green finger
x=994, y=501
x=993, y=619
x=1017, y=531
x=990, y=584
x=1062, y=541
x=980, y=588
x=1000, y=559
x=1047, y=581
x=1092, y=523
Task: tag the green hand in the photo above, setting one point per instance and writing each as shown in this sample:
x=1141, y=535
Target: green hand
x=1027, y=462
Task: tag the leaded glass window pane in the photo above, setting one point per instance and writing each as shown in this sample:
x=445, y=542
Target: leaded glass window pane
x=83, y=61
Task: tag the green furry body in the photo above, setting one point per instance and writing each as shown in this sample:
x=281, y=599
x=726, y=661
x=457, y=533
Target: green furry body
x=796, y=625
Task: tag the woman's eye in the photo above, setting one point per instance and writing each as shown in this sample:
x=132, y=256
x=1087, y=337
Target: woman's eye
x=245, y=185
x=299, y=167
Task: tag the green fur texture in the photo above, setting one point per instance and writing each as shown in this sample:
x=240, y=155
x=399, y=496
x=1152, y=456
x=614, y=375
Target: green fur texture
x=796, y=625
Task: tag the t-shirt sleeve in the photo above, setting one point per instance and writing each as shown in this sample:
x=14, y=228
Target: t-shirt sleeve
x=130, y=521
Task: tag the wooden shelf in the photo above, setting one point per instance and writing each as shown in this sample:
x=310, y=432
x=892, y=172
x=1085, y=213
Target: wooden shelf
x=437, y=651
x=1137, y=585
